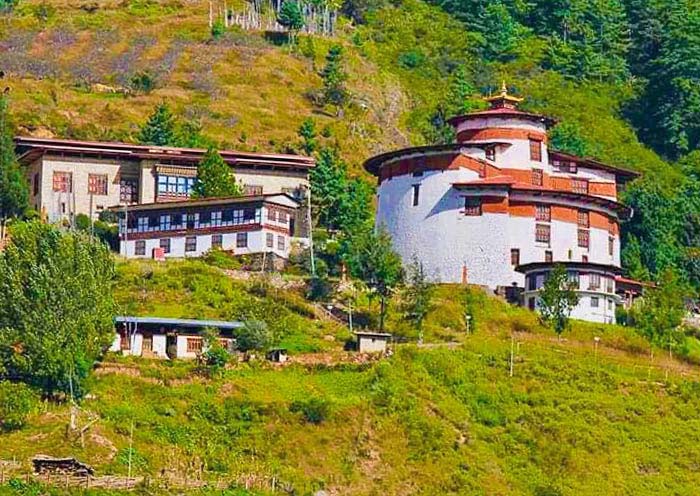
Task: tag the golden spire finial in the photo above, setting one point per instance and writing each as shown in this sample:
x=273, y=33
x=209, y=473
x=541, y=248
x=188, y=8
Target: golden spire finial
x=504, y=88
x=503, y=99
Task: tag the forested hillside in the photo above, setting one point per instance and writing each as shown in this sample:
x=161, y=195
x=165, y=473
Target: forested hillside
x=620, y=76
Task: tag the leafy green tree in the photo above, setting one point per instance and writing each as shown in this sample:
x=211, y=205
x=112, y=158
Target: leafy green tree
x=7, y=5
x=334, y=78
x=215, y=356
x=215, y=178
x=56, y=306
x=417, y=296
x=14, y=190
x=308, y=134
x=328, y=183
x=218, y=29
x=372, y=260
x=502, y=32
x=160, y=129
x=355, y=206
x=254, y=335
x=557, y=298
x=660, y=313
x=291, y=17
x=567, y=137
x=17, y=401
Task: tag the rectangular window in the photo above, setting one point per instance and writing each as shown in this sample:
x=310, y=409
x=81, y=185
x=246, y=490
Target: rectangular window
x=217, y=241
x=36, y=184
x=216, y=219
x=579, y=186
x=270, y=240
x=175, y=185
x=63, y=182
x=205, y=217
x=611, y=245
x=280, y=243
x=574, y=279
x=97, y=184
x=593, y=281
x=165, y=245
x=283, y=217
x=609, y=284
x=191, y=243
x=542, y=233
x=532, y=282
x=194, y=345
x=272, y=214
x=583, y=219
x=416, y=192
x=543, y=213
x=584, y=238
x=140, y=247
x=472, y=206
x=537, y=177
x=128, y=191
x=242, y=240
x=164, y=224
x=142, y=224
x=595, y=302
x=252, y=189
x=535, y=150
x=548, y=257
x=491, y=153
x=515, y=256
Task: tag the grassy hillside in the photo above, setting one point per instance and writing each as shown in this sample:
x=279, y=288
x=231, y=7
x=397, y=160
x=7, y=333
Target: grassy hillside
x=250, y=92
x=442, y=419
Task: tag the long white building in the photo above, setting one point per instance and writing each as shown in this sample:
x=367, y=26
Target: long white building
x=476, y=210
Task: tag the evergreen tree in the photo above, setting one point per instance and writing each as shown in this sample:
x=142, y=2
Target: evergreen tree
x=328, y=187
x=291, y=17
x=14, y=191
x=355, y=206
x=372, y=260
x=215, y=178
x=307, y=131
x=334, y=77
x=557, y=299
x=417, y=296
x=502, y=32
x=160, y=129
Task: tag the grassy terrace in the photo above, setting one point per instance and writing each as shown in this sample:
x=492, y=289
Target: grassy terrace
x=426, y=421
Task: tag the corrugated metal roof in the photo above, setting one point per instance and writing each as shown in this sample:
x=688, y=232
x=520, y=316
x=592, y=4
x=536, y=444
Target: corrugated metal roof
x=219, y=324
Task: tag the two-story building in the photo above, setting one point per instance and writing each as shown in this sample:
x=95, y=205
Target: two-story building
x=495, y=206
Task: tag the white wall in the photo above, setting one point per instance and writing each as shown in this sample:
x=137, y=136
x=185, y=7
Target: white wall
x=369, y=344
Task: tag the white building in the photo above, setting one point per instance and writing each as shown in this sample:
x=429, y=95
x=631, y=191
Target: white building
x=475, y=210
x=69, y=177
x=157, y=337
x=242, y=225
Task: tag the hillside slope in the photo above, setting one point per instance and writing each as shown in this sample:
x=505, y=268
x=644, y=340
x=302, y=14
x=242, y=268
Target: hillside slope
x=251, y=92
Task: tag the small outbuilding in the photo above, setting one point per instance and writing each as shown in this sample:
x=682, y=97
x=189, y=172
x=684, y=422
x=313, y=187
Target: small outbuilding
x=372, y=342
x=277, y=355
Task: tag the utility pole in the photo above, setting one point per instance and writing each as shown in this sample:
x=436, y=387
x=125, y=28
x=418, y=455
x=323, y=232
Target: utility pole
x=131, y=445
x=512, y=354
x=311, y=230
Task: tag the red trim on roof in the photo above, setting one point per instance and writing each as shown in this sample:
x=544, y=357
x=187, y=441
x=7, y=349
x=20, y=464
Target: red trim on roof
x=592, y=163
x=502, y=112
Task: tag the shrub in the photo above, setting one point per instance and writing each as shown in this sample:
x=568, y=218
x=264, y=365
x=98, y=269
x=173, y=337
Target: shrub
x=314, y=410
x=254, y=335
x=216, y=356
x=222, y=259
x=411, y=59
x=16, y=403
x=319, y=289
x=218, y=29
x=143, y=82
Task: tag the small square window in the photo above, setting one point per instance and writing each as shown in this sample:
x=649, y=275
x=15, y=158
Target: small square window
x=242, y=240
x=595, y=301
x=472, y=206
x=191, y=243
x=140, y=247
x=584, y=238
x=542, y=233
x=63, y=182
x=194, y=345
x=543, y=213
x=583, y=219
x=97, y=184
x=579, y=186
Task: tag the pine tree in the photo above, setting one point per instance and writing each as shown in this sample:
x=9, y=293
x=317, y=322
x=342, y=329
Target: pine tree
x=417, y=296
x=160, y=129
x=307, y=131
x=14, y=191
x=334, y=77
x=291, y=17
x=215, y=178
x=328, y=187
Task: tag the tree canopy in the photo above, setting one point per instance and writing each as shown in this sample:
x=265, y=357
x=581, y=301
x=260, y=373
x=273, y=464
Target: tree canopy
x=215, y=178
x=14, y=190
x=56, y=306
x=557, y=298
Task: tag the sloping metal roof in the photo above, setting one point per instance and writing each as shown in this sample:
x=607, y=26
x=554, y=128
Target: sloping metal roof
x=219, y=324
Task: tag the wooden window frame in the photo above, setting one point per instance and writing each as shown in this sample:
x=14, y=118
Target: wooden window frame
x=548, y=256
x=543, y=213
x=140, y=247
x=537, y=177
x=579, y=186
x=270, y=240
x=98, y=184
x=536, y=150
x=217, y=241
x=540, y=230
x=611, y=246
x=128, y=191
x=190, y=243
x=281, y=243
x=473, y=206
x=252, y=190
x=164, y=243
x=62, y=182
x=593, y=281
x=194, y=344
x=584, y=238
x=242, y=240
x=515, y=256
x=583, y=218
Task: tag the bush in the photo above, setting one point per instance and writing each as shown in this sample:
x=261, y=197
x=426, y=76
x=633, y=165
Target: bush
x=17, y=401
x=254, y=335
x=222, y=259
x=319, y=289
x=411, y=60
x=143, y=82
x=218, y=29
x=314, y=410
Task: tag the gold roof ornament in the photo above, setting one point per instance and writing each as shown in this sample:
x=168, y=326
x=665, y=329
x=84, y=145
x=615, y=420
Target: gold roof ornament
x=503, y=99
